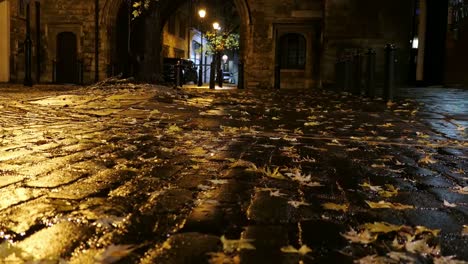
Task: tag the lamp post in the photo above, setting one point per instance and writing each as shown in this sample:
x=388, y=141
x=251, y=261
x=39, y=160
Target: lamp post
x=212, y=68
x=27, y=47
x=218, y=61
x=202, y=14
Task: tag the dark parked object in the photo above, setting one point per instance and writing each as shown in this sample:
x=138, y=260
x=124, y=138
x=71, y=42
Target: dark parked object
x=188, y=72
x=228, y=77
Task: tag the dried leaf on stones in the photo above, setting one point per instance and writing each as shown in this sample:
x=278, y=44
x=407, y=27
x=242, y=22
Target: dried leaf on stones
x=336, y=207
x=276, y=193
x=296, y=175
x=219, y=182
x=198, y=151
x=382, y=227
x=389, y=191
x=172, y=129
x=384, y=204
x=374, y=188
x=461, y=190
x=362, y=237
x=297, y=204
x=423, y=229
x=303, y=250
x=421, y=246
x=313, y=123
x=231, y=245
x=272, y=173
x=427, y=160
x=447, y=204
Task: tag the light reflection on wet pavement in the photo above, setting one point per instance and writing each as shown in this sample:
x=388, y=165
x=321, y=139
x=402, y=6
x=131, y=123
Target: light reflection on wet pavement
x=148, y=174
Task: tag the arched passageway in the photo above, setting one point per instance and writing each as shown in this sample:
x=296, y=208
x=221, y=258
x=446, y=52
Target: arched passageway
x=145, y=45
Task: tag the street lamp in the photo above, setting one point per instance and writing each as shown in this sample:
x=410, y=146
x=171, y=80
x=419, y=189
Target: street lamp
x=216, y=27
x=202, y=14
x=225, y=59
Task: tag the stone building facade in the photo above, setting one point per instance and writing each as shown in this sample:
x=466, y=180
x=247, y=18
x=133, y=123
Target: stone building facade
x=300, y=38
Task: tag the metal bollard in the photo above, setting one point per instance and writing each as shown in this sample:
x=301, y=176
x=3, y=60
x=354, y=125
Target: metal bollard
x=277, y=76
x=212, y=75
x=347, y=74
x=220, y=78
x=240, y=78
x=178, y=73
x=390, y=61
x=357, y=73
x=370, y=78
x=338, y=75
x=54, y=71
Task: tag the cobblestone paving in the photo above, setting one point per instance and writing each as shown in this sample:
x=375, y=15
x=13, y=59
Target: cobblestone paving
x=143, y=174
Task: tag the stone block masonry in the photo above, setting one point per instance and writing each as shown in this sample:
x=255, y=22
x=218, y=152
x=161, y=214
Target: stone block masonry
x=329, y=27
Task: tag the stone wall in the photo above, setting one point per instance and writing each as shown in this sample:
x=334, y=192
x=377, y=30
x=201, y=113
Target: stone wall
x=457, y=57
x=330, y=27
x=17, y=37
x=353, y=24
x=56, y=16
x=270, y=19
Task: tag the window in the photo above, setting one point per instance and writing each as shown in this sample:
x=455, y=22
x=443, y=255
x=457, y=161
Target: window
x=171, y=26
x=165, y=51
x=21, y=8
x=182, y=28
x=179, y=53
x=292, y=51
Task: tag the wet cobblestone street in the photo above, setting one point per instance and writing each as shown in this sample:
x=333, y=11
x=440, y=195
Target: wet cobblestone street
x=130, y=173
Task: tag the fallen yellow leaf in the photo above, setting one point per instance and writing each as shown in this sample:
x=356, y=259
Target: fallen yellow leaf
x=336, y=207
x=427, y=160
x=363, y=237
x=382, y=227
x=384, y=204
x=303, y=250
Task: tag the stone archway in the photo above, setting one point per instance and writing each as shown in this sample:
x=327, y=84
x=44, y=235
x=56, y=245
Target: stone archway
x=155, y=18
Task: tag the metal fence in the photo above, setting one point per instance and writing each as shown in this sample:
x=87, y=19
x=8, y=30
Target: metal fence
x=355, y=72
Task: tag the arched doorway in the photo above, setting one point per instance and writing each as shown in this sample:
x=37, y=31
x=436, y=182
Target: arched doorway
x=128, y=43
x=66, y=68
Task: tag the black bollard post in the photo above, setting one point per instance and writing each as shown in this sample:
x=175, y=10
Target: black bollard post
x=338, y=75
x=220, y=77
x=178, y=73
x=390, y=61
x=54, y=71
x=370, y=80
x=357, y=73
x=277, y=76
x=347, y=67
x=240, y=77
x=212, y=75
